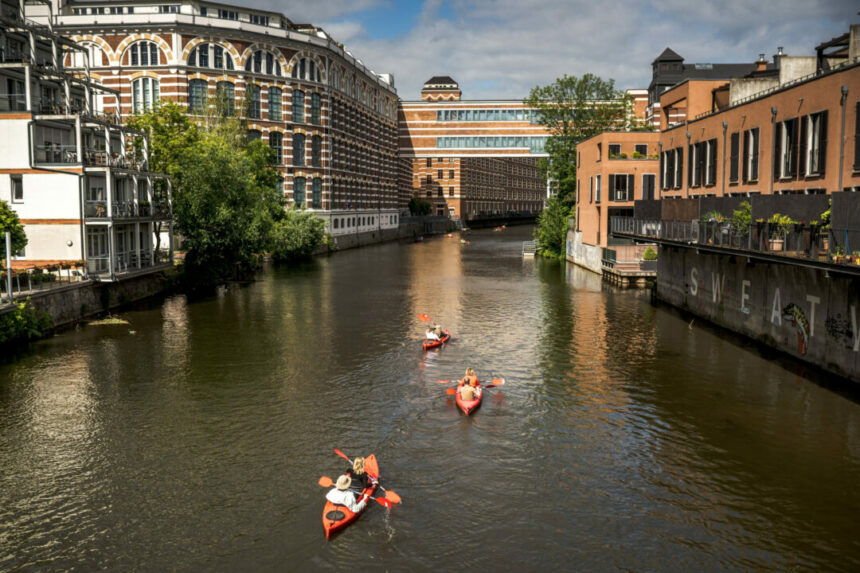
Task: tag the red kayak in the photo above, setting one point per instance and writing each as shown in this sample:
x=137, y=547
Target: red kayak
x=336, y=517
x=428, y=344
x=469, y=406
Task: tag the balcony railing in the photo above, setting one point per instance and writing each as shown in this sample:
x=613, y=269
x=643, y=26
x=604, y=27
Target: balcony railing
x=13, y=102
x=798, y=241
x=57, y=154
x=127, y=262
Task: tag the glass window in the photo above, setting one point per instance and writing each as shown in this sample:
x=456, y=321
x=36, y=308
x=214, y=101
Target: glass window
x=144, y=54
x=299, y=106
x=316, y=151
x=298, y=149
x=225, y=93
x=316, y=189
x=17, y=188
x=196, y=96
x=275, y=104
x=315, y=109
x=299, y=190
x=254, y=135
x=254, y=101
x=276, y=142
x=144, y=94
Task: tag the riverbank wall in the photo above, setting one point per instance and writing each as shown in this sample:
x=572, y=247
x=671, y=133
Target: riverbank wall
x=77, y=301
x=409, y=228
x=809, y=313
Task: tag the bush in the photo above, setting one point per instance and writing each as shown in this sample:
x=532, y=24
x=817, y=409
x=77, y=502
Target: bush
x=418, y=207
x=742, y=217
x=649, y=254
x=297, y=235
x=24, y=323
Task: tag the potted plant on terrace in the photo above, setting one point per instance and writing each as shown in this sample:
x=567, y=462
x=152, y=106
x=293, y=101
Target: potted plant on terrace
x=780, y=225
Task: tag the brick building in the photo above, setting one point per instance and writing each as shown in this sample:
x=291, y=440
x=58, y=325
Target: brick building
x=330, y=119
x=470, y=159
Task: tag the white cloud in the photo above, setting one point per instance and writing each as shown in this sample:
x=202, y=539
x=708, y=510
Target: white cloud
x=503, y=48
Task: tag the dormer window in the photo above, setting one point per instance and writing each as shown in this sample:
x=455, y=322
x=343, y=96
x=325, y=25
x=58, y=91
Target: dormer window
x=259, y=20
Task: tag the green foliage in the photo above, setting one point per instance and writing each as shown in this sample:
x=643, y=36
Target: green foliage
x=227, y=197
x=742, y=217
x=780, y=225
x=573, y=109
x=24, y=323
x=9, y=222
x=649, y=254
x=552, y=224
x=713, y=217
x=825, y=217
x=297, y=235
x=418, y=207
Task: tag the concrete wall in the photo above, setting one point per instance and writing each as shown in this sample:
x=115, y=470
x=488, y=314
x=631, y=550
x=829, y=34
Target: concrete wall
x=583, y=254
x=797, y=310
x=794, y=67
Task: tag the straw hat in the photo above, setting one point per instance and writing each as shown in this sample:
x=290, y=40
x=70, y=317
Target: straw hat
x=343, y=482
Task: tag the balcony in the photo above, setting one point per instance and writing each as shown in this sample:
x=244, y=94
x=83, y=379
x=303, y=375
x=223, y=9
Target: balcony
x=56, y=154
x=127, y=263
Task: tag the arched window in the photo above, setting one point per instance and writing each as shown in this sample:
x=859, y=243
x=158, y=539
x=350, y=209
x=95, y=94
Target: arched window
x=262, y=61
x=196, y=96
x=254, y=101
x=225, y=94
x=210, y=56
x=298, y=106
x=335, y=221
x=254, y=135
x=78, y=59
x=316, y=151
x=144, y=54
x=316, y=193
x=306, y=69
x=298, y=149
x=276, y=142
x=275, y=104
x=299, y=191
x=144, y=94
x=315, y=109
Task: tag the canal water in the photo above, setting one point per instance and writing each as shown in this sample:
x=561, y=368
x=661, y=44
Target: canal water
x=625, y=436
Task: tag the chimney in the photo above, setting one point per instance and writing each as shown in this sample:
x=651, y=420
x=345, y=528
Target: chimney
x=761, y=64
x=778, y=56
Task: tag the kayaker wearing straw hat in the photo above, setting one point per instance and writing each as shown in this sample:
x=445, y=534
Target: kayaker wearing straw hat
x=340, y=495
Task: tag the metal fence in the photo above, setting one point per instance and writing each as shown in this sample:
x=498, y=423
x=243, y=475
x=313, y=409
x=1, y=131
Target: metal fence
x=795, y=240
x=36, y=279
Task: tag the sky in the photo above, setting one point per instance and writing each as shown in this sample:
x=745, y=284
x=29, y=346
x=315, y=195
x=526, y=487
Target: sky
x=500, y=49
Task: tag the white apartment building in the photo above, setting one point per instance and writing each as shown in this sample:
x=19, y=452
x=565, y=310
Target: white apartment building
x=78, y=179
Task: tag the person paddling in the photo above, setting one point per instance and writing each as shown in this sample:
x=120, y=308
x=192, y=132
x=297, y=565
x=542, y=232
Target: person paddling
x=469, y=378
x=340, y=495
x=360, y=479
x=431, y=334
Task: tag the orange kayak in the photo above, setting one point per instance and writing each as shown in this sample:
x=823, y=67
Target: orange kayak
x=469, y=406
x=336, y=517
x=428, y=344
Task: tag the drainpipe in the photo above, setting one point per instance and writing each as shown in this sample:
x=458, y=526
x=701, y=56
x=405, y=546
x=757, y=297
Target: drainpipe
x=689, y=167
x=723, y=186
x=9, y=264
x=662, y=160
x=842, y=137
x=772, y=146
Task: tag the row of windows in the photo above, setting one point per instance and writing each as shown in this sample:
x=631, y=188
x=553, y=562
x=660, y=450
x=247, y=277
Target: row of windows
x=487, y=115
x=347, y=222
x=622, y=187
x=299, y=192
x=225, y=101
x=210, y=56
x=535, y=143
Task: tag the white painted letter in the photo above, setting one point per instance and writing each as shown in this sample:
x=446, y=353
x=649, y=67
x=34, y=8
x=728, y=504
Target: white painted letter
x=776, y=309
x=716, y=283
x=812, y=300
x=854, y=328
x=694, y=279
x=744, y=295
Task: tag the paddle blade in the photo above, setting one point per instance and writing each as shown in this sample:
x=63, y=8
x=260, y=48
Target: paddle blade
x=383, y=502
x=424, y=317
x=497, y=381
x=392, y=497
x=443, y=381
x=325, y=481
x=341, y=454
x=451, y=391
x=370, y=465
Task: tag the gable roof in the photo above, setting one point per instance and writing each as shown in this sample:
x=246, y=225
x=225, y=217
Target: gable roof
x=668, y=55
x=443, y=80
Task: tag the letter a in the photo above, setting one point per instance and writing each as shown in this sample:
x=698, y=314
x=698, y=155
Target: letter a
x=776, y=312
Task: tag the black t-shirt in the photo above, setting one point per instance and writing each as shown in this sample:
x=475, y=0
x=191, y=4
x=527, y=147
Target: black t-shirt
x=359, y=482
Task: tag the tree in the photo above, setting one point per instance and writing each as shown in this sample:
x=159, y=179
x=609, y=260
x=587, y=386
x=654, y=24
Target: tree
x=418, y=207
x=226, y=196
x=552, y=225
x=9, y=222
x=573, y=109
x=297, y=235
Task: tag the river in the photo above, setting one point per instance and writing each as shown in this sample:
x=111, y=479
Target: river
x=625, y=437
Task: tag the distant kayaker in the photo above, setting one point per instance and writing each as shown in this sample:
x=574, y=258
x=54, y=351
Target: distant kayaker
x=340, y=495
x=431, y=334
x=469, y=378
x=359, y=477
